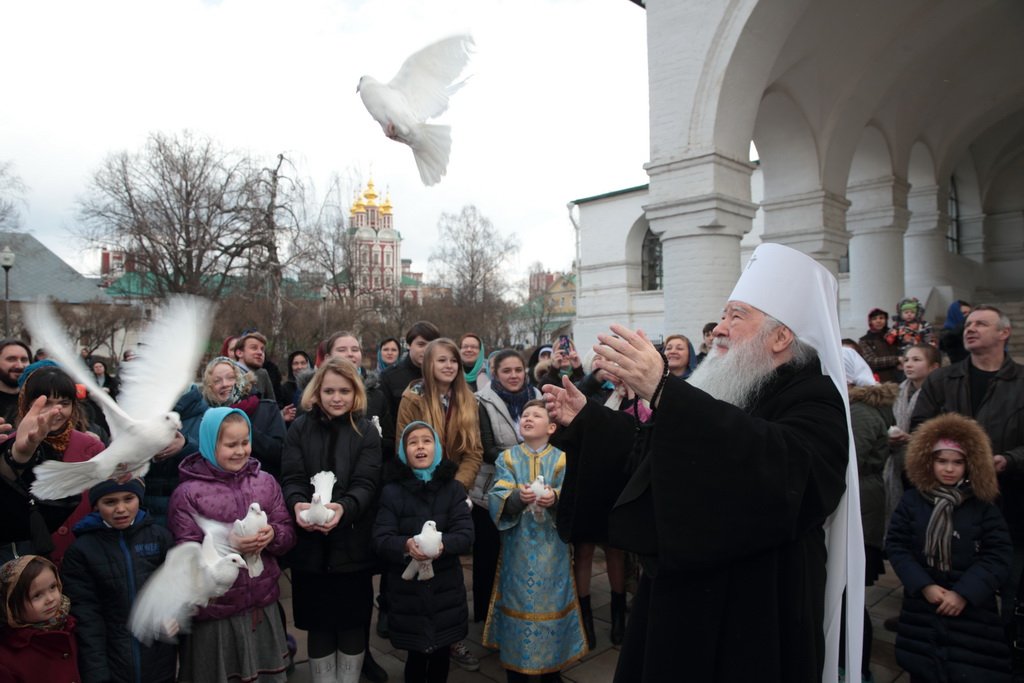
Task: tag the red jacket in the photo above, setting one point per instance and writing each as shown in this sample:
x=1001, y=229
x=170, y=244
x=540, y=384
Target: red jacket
x=29, y=655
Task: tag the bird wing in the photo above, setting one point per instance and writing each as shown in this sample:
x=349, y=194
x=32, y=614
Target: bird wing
x=47, y=333
x=215, y=539
x=169, y=354
x=170, y=594
x=426, y=76
x=323, y=483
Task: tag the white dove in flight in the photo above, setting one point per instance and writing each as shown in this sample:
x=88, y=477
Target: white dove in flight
x=191, y=576
x=141, y=421
x=429, y=542
x=250, y=525
x=538, y=488
x=323, y=488
x=420, y=91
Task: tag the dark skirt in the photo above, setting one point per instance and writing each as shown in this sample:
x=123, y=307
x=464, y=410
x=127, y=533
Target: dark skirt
x=244, y=647
x=332, y=602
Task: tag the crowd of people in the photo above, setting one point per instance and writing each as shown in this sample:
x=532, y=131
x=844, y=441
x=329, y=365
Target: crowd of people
x=708, y=475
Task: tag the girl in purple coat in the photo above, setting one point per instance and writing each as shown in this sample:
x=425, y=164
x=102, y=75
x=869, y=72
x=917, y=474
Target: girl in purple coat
x=238, y=636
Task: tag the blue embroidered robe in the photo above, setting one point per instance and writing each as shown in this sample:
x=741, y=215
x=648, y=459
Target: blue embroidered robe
x=534, y=616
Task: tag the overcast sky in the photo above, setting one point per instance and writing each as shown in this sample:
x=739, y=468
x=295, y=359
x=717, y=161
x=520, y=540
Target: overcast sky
x=556, y=108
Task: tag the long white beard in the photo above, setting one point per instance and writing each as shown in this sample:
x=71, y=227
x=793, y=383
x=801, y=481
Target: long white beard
x=737, y=375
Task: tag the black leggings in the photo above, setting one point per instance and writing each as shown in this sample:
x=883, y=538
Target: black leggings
x=421, y=667
x=323, y=643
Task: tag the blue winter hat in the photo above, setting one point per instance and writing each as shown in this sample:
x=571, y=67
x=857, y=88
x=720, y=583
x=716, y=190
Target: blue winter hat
x=209, y=430
x=32, y=367
x=109, y=486
x=426, y=473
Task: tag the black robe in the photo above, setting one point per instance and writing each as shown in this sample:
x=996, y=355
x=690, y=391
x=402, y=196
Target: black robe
x=725, y=508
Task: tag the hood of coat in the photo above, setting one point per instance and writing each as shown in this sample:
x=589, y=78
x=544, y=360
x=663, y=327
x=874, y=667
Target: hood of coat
x=975, y=442
x=195, y=466
x=877, y=395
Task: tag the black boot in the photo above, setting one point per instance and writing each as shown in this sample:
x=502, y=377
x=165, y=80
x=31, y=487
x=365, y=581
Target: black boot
x=588, y=621
x=618, y=618
x=372, y=671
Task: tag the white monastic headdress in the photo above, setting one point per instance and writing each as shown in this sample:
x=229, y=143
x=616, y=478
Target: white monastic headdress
x=803, y=295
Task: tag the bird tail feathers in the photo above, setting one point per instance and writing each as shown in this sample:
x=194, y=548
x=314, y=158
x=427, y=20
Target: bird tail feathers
x=56, y=480
x=432, y=147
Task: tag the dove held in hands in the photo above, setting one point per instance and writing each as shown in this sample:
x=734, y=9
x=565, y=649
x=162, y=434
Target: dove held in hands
x=428, y=541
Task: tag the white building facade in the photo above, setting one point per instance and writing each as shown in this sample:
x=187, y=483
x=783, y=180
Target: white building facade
x=890, y=139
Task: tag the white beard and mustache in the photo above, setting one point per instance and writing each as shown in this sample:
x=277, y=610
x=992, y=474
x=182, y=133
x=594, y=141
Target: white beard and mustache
x=738, y=375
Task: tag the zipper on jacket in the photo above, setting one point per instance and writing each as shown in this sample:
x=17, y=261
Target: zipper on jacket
x=136, y=655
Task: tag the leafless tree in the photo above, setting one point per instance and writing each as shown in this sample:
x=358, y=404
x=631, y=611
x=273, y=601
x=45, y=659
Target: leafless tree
x=99, y=323
x=12, y=192
x=330, y=244
x=471, y=258
x=180, y=208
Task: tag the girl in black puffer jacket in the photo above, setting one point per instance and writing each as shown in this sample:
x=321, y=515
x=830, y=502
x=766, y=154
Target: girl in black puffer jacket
x=950, y=547
x=426, y=615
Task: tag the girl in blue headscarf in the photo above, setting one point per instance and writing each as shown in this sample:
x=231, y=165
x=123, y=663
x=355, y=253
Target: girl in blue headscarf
x=425, y=616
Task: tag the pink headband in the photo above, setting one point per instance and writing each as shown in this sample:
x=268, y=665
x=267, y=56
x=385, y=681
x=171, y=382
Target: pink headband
x=948, y=445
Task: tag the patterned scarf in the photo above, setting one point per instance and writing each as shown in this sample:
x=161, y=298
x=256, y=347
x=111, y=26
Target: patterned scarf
x=514, y=401
x=938, y=537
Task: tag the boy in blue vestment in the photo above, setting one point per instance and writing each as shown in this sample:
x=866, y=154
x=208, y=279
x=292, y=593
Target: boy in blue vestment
x=534, y=616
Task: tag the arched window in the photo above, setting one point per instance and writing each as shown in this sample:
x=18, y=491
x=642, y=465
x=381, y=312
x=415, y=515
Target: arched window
x=650, y=263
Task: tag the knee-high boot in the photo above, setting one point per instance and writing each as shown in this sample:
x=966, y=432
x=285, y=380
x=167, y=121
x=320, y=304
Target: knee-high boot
x=588, y=621
x=349, y=667
x=618, y=618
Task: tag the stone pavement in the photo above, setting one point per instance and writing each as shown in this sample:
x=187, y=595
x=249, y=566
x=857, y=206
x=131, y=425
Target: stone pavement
x=883, y=600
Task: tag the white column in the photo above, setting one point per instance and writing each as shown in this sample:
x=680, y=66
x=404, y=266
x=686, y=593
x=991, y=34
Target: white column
x=876, y=221
x=924, y=245
x=700, y=207
x=812, y=222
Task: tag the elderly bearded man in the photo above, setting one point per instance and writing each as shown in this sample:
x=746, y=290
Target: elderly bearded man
x=726, y=494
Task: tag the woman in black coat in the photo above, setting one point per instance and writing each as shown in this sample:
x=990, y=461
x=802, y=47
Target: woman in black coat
x=332, y=564
x=426, y=616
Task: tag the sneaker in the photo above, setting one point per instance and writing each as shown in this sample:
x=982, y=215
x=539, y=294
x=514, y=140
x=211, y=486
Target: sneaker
x=463, y=657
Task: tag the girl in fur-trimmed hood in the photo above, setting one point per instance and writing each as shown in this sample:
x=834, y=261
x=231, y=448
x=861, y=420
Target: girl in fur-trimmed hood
x=949, y=545
x=977, y=451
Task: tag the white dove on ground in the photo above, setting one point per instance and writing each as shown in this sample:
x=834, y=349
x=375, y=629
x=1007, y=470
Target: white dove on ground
x=538, y=488
x=323, y=488
x=420, y=91
x=141, y=422
x=250, y=525
x=429, y=542
x=191, y=576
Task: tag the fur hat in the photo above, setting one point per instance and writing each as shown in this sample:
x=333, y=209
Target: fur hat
x=977, y=448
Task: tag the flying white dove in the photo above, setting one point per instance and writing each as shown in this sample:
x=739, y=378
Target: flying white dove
x=429, y=542
x=191, y=576
x=141, y=421
x=538, y=488
x=420, y=91
x=323, y=488
x=250, y=525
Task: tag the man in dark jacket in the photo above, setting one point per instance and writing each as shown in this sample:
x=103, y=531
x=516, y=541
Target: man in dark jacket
x=882, y=357
x=730, y=487
x=397, y=378
x=988, y=386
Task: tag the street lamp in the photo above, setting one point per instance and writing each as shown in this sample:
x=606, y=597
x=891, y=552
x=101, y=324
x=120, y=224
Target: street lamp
x=325, y=292
x=7, y=261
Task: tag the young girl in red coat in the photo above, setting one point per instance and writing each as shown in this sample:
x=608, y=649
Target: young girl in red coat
x=240, y=635
x=37, y=639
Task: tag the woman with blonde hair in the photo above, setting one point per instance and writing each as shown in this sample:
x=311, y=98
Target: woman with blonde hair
x=443, y=399
x=332, y=563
